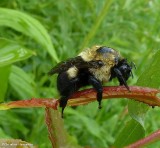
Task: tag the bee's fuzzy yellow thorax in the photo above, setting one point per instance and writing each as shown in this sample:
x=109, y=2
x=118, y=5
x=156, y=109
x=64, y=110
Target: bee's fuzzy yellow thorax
x=108, y=58
x=89, y=53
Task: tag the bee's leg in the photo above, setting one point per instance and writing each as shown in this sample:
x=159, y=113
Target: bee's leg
x=67, y=91
x=63, y=103
x=121, y=80
x=98, y=87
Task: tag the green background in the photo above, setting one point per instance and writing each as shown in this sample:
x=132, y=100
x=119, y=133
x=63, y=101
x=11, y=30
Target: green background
x=35, y=35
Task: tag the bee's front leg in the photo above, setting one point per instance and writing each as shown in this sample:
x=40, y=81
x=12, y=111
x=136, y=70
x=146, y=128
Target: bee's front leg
x=120, y=77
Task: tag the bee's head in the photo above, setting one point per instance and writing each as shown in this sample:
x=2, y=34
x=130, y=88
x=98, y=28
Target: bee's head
x=124, y=68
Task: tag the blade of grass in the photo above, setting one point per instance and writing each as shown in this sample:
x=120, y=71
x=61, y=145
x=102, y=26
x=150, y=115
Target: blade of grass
x=29, y=26
x=27, y=87
x=11, y=52
x=97, y=24
x=4, y=75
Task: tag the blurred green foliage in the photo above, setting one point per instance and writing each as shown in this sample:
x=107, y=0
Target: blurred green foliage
x=57, y=30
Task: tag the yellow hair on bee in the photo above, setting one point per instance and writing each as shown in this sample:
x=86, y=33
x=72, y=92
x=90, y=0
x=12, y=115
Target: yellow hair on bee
x=109, y=60
x=89, y=53
x=103, y=73
x=72, y=72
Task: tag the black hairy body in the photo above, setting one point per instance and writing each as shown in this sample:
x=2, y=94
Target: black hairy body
x=91, y=67
x=68, y=87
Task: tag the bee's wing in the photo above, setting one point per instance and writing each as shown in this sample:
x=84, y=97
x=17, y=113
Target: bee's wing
x=78, y=62
x=60, y=67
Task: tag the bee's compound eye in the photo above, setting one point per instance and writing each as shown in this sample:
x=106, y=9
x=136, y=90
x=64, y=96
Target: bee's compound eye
x=116, y=60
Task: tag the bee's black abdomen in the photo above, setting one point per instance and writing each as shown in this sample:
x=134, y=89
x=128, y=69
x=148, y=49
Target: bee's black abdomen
x=68, y=86
x=65, y=85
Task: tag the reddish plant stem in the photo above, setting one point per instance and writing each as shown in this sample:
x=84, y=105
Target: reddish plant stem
x=34, y=102
x=50, y=127
x=57, y=133
x=146, y=95
x=145, y=141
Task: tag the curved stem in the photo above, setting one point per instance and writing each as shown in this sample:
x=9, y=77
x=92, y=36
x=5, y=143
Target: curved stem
x=145, y=141
x=146, y=95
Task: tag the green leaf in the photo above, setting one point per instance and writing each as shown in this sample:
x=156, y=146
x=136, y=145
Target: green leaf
x=11, y=52
x=149, y=78
x=137, y=110
x=4, y=75
x=137, y=114
x=29, y=26
x=21, y=82
x=132, y=132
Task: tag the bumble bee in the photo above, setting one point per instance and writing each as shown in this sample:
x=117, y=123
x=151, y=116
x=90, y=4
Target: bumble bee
x=93, y=66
